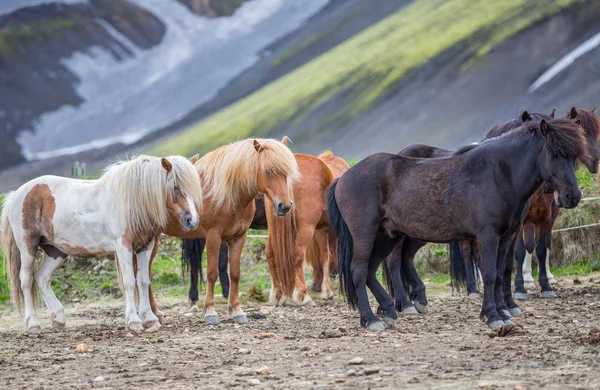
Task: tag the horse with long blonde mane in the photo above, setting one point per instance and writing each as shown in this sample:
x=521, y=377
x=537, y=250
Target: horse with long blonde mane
x=231, y=177
x=120, y=212
x=306, y=227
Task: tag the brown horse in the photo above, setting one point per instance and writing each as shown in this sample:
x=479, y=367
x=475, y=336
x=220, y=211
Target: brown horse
x=321, y=252
x=289, y=237
x=231, y=178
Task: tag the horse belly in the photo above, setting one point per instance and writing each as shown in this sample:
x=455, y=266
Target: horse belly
x=84, y=235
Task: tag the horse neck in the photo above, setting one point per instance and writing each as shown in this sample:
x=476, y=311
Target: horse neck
x=523, y=161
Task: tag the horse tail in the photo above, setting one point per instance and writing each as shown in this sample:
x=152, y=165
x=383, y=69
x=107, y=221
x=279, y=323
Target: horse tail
x=333, y=258
x=282, y=236
x=12, y=261
x=385, y=274
x=191, y=256
x=345, y=252
x=458, y=273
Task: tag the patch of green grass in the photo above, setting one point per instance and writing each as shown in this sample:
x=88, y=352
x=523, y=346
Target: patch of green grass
x=368, y=64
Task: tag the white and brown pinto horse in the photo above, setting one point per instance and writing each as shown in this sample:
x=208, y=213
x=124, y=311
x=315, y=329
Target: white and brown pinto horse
x=120, y=212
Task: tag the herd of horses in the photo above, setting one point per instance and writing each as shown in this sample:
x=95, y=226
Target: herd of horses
x=492, y=201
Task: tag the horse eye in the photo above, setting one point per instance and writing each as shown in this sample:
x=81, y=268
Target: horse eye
x=268, y=173
x=176, y=187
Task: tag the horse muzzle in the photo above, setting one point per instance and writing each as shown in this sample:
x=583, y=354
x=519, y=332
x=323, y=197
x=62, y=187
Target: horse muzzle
x=568, y=201
x=282, y=209
x=188, y=222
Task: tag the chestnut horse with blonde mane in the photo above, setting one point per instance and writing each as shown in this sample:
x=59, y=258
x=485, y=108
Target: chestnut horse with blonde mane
x=231, y=178
x=290, y=236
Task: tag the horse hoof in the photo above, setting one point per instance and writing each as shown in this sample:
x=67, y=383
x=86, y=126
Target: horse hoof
x=376, y=326
x=162, y=319
x=136, y=327
x=495, y=324
x=520, y=296
x=34, y=329
x=506, y=313
x=150, y=324
x=212, y=320
x=549, y=294
x=58, y=325
x=391, y=322
x=241, y=319
x=153, y=328
x=515, y=311
x=310, y=303
x=421, y=308
x=507, y=322
x=316, y=288
x=409, y=311
x=474, y=295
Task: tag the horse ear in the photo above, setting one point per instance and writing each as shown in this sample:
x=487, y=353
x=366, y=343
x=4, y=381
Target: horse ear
x=257, y=146
x=525, y=116
x=194, y=158
x=553, y=113
x=544, y=128
x=166, y=164
x=593, y=109
x=285, y=140
x=573, y=113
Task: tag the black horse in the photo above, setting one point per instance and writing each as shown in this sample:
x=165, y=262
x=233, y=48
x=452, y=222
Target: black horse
x=386, y=198
x=192, y=249
x=410, y=297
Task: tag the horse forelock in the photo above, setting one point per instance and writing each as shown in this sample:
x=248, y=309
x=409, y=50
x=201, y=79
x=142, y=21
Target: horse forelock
x=565, y=138
x=232, y=170
x=588, y=120
x=141, y=186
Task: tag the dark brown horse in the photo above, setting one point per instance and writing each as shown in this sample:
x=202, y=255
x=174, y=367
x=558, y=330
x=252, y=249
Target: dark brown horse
x=385, y=198
x=400, y=269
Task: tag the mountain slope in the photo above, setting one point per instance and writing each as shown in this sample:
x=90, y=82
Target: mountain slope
x=341, y=98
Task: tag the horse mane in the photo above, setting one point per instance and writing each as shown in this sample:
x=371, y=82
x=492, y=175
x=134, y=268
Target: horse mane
x=141, y=186
x=587, y=119
x=512, y=124
x=466, y=148
x=232, y=170
x=327, y=153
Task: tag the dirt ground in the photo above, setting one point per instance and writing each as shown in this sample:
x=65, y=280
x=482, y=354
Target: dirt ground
x=312, y=348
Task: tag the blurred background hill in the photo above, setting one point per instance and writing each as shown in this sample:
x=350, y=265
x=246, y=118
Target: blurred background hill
x=90, y=80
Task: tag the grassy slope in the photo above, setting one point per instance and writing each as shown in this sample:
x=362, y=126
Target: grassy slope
x=367, y=66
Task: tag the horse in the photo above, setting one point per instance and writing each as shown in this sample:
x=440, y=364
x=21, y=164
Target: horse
x=192, y=249
x=318, y=254
x=385, y=198
x=537, y=228
x=289, y=237
x=120, y=212
x=400, y=269
x=232, y=176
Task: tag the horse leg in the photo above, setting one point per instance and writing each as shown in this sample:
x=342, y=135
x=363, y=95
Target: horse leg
x=318, y=245
x=488, y=244
x=513, y=308
x=149, y=319
x=43, y=276
x=276, y=297
x=235, y=253
x=469, y=257
x=223, y=277
x=386, y=303
x=26, y=276
x=213, y=245
x=418, y=294
x=503, y=250
x=529, y=238
x=303, y=236
x=542, y=254
x=394, y=265
x=322, y=237
x=161, y=317
x=126, y=264
x=520, y=291
x=555, y=211
x=195, y=264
